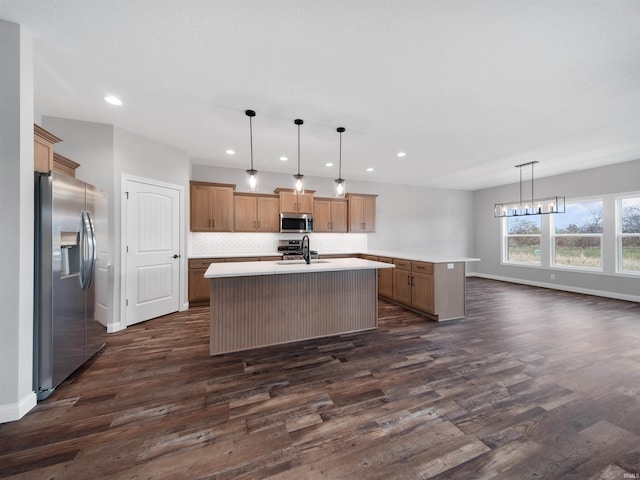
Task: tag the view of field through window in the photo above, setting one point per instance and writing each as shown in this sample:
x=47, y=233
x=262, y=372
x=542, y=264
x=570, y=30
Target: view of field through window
x=523, y=240
x=630, y=236
x=578, y=235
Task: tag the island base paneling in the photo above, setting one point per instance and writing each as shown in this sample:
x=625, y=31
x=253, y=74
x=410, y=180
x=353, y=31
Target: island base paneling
x=255, y=311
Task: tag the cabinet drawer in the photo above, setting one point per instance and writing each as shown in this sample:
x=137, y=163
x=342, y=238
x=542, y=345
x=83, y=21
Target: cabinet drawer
x=422, y=267
x=203, y=262
x=402, y=264
x=242, y=259
x=385, y=259
x=369, y=257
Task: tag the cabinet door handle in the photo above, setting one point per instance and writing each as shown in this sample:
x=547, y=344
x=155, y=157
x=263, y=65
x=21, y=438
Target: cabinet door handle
x=408, y=280
x=254, y=224
x=258, y=223
x=412, y=281
x=214, y=223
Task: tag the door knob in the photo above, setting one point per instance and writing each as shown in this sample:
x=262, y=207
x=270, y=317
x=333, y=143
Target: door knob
x=176, y=256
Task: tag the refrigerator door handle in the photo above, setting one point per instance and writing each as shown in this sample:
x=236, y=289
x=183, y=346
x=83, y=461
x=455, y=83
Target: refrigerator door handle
x=92, y=249
x=83, y=251
x=87, y=250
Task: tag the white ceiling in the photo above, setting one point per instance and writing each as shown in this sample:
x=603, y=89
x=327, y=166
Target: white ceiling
x=467, y=88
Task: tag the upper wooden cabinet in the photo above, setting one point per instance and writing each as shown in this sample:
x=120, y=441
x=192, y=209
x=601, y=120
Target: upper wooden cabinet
x=256, y=213
x=362, y=213
x=211, y=207
x=330, y=215
x=64, y=165
x=295, y=203
x=43, y=142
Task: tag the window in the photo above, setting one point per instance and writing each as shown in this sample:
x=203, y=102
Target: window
x=522, y=240
x=577, y=239
x=629, y=235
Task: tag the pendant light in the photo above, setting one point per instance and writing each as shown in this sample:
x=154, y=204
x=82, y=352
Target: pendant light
x=252, y=174
x=299, y=187
x=340, y=186
x=535, y=206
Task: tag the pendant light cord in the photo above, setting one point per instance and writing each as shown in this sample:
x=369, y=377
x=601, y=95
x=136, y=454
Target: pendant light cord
x=340, y=162
x=251, y=140
x=298, y=149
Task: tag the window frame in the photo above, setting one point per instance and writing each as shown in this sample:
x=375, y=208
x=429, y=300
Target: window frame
x=620, y=235
x=505, y=243
x=553, y=235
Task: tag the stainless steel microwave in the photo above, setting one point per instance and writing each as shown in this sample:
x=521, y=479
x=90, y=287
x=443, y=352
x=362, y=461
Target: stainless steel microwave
x=296, y=222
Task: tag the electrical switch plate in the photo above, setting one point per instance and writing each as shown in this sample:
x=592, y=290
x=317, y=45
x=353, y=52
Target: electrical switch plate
x=449, y=266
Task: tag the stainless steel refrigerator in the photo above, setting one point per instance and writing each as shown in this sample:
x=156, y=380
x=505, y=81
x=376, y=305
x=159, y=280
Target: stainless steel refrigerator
x=69, y=312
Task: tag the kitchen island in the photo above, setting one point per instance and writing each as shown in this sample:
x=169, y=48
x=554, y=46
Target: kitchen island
x=256, y=304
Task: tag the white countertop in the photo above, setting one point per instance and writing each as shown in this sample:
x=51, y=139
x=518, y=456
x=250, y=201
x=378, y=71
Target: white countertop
x=249, y=269
x=417, y=257
x=421, y=257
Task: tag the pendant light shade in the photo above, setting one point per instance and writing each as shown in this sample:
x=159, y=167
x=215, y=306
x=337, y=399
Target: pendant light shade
x=299, y=186
x=252, y=174
x=340, y=184
x=533, y=206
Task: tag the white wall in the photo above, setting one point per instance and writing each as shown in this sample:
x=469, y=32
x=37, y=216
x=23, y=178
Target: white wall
x=17, y=219
x=604, y=181
x=105, y=153
x=408, y=219
x=139, y=156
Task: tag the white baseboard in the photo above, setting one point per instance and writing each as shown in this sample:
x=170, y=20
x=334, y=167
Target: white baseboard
x=185, y=306
x=564, y=288
x=15, y=411
x=115, y=327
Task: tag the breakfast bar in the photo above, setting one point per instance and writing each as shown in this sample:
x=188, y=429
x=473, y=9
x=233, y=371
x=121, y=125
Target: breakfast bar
x=256, y=304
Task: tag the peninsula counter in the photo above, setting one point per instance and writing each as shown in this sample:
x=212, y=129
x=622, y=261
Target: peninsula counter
x=256, y=304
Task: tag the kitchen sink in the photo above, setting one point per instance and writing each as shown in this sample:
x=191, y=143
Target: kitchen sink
x=301, y=262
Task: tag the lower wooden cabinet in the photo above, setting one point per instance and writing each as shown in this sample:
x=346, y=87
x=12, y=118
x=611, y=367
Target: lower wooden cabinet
x=199, y=286
x=437, y=289
x=385, y=279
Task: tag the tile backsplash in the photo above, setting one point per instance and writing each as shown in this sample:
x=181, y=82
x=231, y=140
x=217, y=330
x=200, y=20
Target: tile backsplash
x=226, y=243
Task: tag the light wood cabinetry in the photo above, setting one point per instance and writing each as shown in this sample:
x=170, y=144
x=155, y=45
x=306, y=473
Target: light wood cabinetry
x=385, y=276
x=295, y=203
x=402, y=281
x=362, y=213
x=43, y=142
x=414, y=284
x=422, y=286
x=256, y=213
x=211, y=207
x=198, y=285
x=385, y=279
x=64, y=165
x=437, y=289
x=330, y=215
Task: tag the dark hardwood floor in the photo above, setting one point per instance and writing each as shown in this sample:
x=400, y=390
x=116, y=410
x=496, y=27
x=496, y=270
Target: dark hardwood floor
x=533, y=384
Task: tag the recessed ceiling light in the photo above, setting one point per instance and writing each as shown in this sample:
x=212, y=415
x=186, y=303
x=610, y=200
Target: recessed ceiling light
x=402, y=154
x=329, y=164
x=113, y=100
x=230, y=152
x=370, y=169
x=283, y=159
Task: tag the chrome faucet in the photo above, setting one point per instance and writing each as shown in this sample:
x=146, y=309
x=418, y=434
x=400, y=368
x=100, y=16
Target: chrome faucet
x=306, y=254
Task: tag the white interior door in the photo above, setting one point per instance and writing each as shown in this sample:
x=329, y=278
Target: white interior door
x=152, y=251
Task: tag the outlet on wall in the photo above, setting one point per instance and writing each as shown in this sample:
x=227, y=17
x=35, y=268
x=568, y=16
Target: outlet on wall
x=553, y=276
